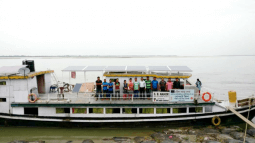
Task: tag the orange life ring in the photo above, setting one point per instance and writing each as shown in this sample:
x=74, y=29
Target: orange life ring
x=210, y=96
x=32, y=94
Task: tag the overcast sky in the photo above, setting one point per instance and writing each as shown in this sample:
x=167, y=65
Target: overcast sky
x=107, y=27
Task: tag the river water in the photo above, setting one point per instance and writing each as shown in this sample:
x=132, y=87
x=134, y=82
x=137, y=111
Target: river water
x=218, y=74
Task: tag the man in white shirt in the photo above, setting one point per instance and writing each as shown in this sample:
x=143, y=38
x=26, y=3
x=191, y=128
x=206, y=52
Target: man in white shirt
x=142, y=89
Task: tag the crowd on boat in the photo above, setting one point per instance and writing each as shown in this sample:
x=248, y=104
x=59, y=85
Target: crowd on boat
x=137, y=89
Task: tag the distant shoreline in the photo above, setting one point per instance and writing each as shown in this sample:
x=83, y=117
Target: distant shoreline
x=122, y=56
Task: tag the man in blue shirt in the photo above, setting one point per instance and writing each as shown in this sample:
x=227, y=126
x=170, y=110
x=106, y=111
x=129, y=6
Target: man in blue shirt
x=105, y=85
x=154, y=84
x=110, y=90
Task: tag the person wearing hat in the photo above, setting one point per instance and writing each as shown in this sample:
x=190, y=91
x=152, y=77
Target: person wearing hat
x=99, y=88
x=148, y=87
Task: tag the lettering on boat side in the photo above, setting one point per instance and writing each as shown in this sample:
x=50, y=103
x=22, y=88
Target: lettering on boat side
x=182, y=95
x=175, y=95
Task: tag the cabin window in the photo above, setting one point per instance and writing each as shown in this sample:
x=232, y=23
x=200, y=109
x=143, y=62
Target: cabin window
x=208, y=108
x=31, y=111
x=112, y=110
x=2, y=82
x=96, y=110
x=2, y=99
x=196, y=110
x=146, y=110
x=79, y=110
x=179, y=110
x=163, y=111
x=129, y=110
x=62, y=110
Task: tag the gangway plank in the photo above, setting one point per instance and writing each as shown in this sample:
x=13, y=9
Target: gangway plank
x=241, y=116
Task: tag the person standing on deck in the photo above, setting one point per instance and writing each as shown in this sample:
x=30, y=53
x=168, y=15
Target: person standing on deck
x=117, y=89
x=169, y=85
x=110, y=90
x=162, y=84
x=125, y=90
x=142, y=89
x=177, y=84
x=99, y=88
x=199, y=84
x=136, y=88
x=154, y=84
x=148, y=87
x=130, y=88
x=105, y=86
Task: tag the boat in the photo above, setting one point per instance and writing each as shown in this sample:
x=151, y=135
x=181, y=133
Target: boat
x=38, y=98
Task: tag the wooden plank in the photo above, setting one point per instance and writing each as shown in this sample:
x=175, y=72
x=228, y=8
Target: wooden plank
x=241, y=116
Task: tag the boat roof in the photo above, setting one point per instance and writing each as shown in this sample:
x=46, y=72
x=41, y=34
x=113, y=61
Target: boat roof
x=10, y=69
x=127, y=68
x=30, y=75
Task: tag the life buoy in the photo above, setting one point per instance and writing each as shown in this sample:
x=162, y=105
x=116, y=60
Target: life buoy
x=213, y=121
x=32, y=94
x=210, y=96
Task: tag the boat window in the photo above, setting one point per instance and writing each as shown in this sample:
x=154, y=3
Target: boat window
x=129, y=110
x=2, y=82
x=62, y=110
x=146, y=110
x=163, y=111
x=79, y=110
x=31, y=111
x=2, y=99
x=112, y=110
x=208, y=108
x=96, y=110
x=195, y=109
x=179, y=110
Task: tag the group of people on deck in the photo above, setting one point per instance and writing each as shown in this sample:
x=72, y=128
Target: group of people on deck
x=140, y=89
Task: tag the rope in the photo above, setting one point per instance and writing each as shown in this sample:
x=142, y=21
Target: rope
x=248, y=119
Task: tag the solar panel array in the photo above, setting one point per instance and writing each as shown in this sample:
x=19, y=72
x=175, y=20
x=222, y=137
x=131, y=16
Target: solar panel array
x=116, y=68
x=74, y=68
x=95, y=68
x=180, y=68
x=158, y=68
x=136, y=68
x=128, y=68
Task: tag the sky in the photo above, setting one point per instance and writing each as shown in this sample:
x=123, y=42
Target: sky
x=131, y=27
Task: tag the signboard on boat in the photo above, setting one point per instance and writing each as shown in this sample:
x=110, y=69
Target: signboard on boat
x=185, y=95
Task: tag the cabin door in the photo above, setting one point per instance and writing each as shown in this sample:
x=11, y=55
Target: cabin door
x=40, y=83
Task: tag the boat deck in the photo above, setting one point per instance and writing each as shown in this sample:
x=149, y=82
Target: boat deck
x=90, y=98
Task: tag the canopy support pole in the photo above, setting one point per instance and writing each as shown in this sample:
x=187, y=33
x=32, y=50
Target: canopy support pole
x=69, y=76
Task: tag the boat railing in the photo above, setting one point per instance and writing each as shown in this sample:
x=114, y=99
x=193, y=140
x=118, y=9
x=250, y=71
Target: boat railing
x=91, y=97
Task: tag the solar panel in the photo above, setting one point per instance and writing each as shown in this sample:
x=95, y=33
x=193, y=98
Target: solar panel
x=180, y=68
x=11, y=69
x=77, y=88
x=95, y=68
x=74, y=68
x=116, y=68
x=158, y=68
x=136, y=68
